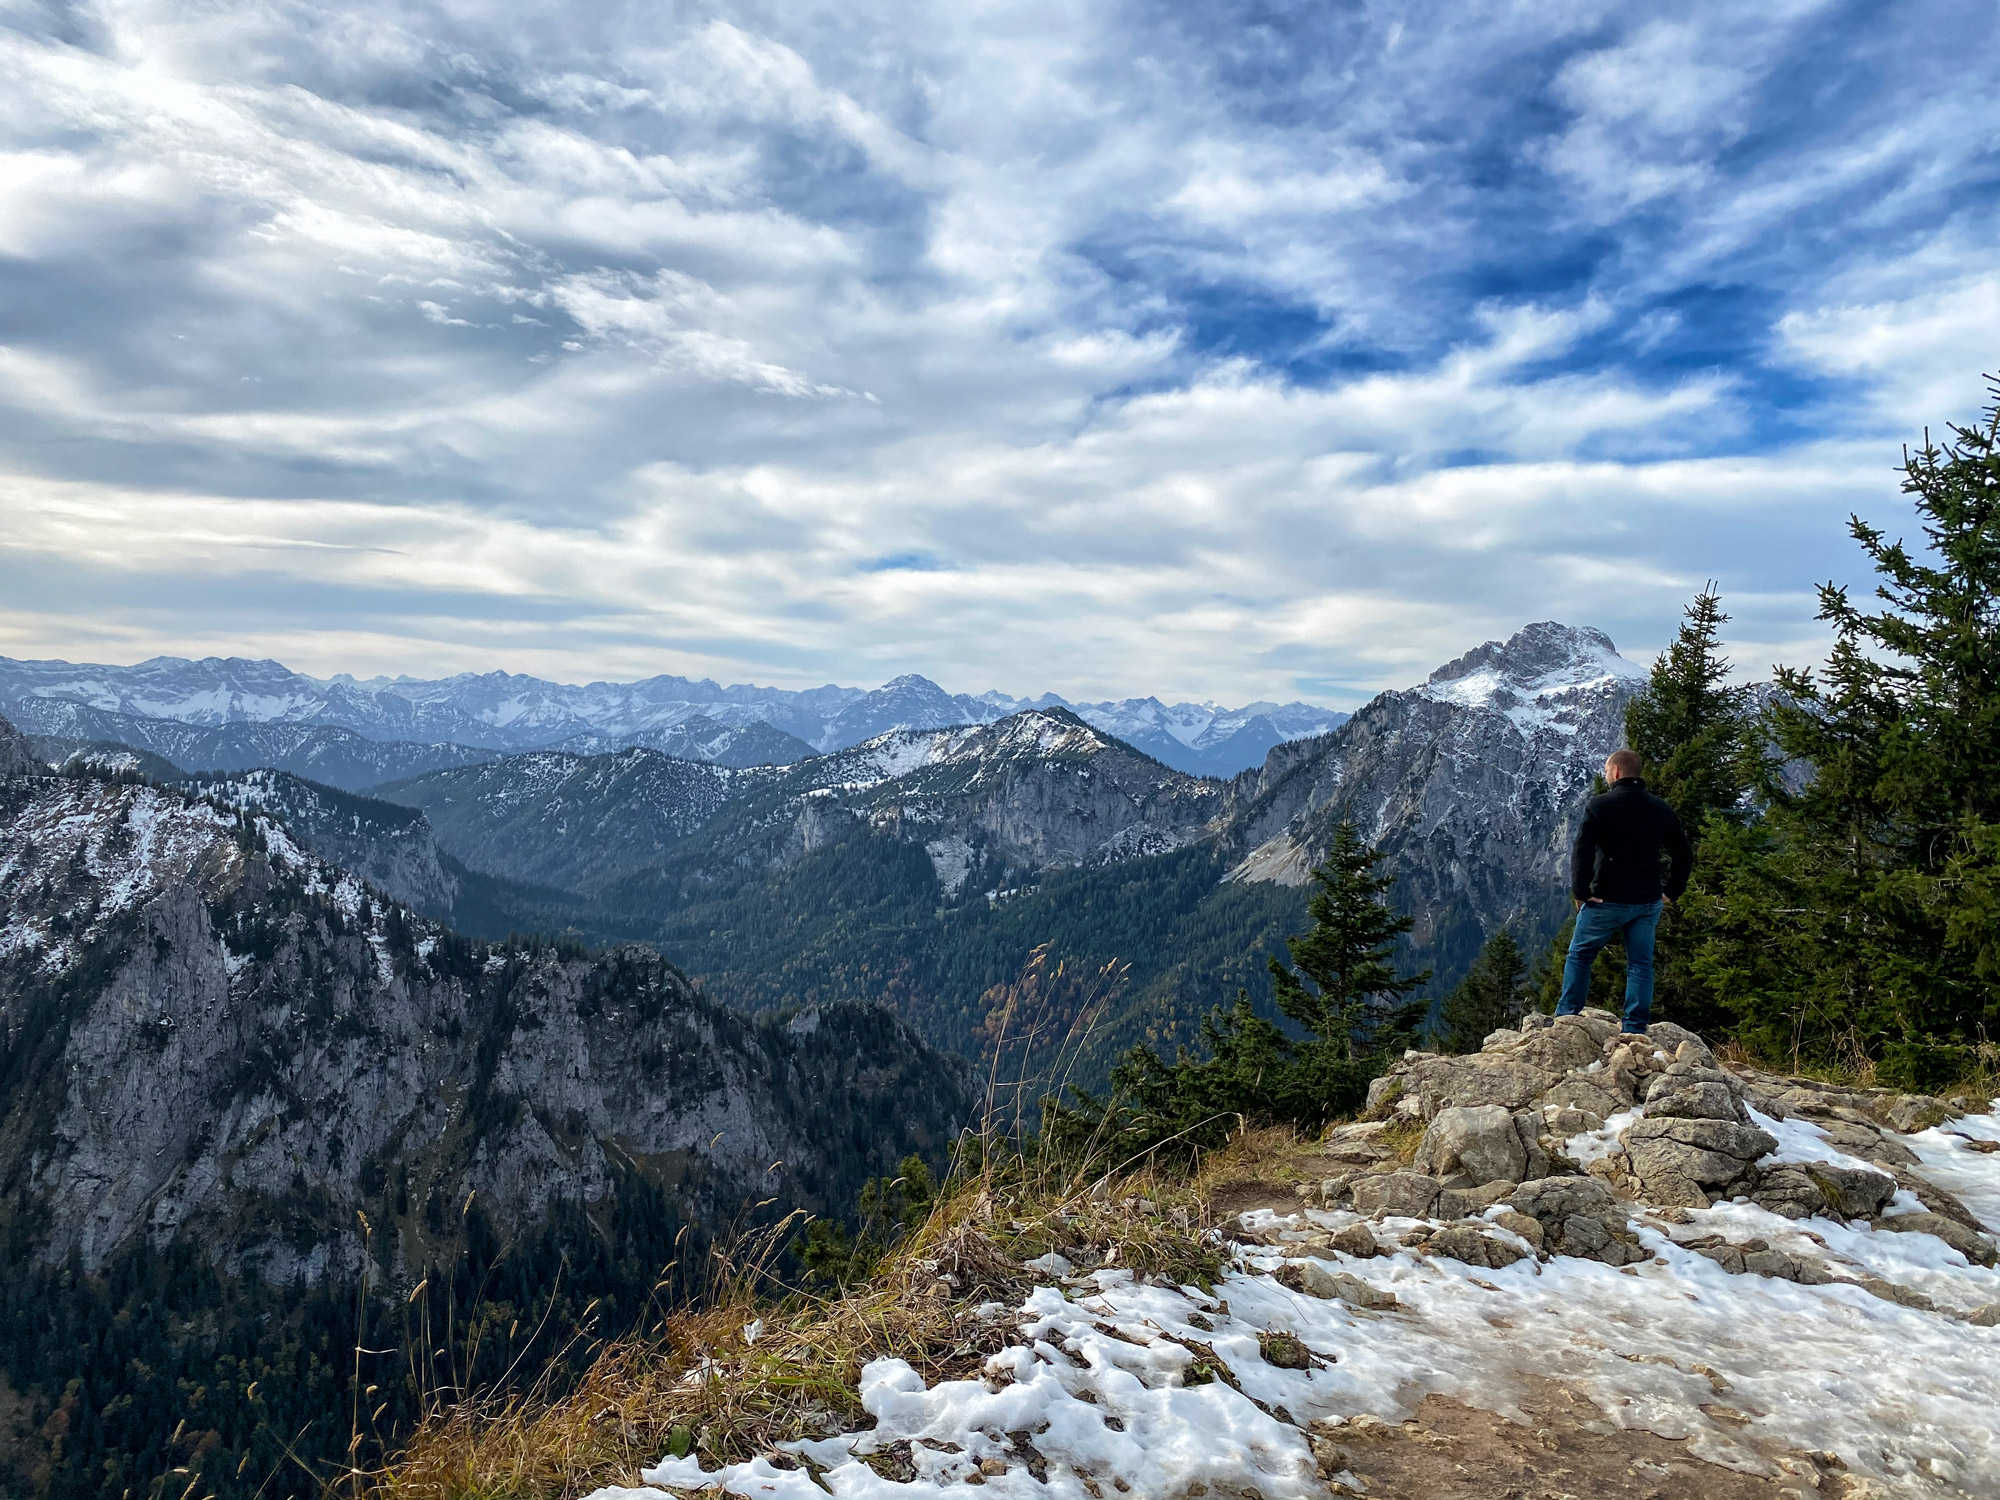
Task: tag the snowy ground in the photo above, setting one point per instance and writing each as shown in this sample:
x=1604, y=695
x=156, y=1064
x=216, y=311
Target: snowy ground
x=1102, y=1395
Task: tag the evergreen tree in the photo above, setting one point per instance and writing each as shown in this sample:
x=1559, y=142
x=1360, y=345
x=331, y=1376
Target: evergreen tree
x=1702, y=752
x=1865, y=912
x=1491, y=996
x=1692, y=728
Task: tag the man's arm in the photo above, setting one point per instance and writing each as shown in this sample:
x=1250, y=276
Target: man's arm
x=1583, y=857
x=1680, y=856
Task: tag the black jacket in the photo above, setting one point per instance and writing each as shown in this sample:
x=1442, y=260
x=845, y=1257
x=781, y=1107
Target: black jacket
x=1617, y=854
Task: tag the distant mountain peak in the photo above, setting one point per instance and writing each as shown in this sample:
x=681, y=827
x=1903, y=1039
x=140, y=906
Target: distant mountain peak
x=1539, y=658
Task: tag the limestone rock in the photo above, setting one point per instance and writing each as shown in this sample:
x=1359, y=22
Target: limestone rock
x=1527, y=1228
x=1465, y=1242
x=1479, y=1141
x=1585, y=1092
x=1465, y=1203
x=1315, y=1280
x=1357, y=1240
x=1987, y=1316
x=1913, y=1112
x=1671, y=1155
x=1758, y=1258
x=1360, y=1144
x=1503, y=1079
x=1854, y=1192
x=1408, y=1194
x=1896, y=1292
x=1864, y=1140
x=1936, y=1199
x=1790, y=1192
x=1685, y=1098
x=1563, y=1121
x=1974, y=1247
x=1579, y=1217
x=1536, y=1151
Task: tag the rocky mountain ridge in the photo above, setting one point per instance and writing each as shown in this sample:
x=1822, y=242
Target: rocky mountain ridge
x=213, y=1035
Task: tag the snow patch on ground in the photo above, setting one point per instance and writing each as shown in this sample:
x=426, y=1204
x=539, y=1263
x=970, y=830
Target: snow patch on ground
x=1105, y=1381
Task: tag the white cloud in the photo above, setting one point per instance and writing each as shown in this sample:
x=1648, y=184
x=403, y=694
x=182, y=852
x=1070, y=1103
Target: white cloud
x=1194, y=360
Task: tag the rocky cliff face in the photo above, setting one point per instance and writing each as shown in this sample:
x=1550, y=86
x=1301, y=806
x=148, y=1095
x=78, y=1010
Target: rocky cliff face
x=207, y=1032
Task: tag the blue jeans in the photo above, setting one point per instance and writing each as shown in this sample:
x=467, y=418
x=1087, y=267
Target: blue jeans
x=1597, y=925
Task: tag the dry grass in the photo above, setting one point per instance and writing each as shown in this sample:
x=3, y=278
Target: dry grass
x=735, y=1379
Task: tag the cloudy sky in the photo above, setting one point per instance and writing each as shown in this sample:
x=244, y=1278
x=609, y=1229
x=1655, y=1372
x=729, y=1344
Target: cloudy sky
x=1202, y=349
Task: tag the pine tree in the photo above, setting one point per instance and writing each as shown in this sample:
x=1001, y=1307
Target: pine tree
x=1866, y=911
x=1491, y=996
x=1702, y=752
x=1691, y=727
x=1342, y=973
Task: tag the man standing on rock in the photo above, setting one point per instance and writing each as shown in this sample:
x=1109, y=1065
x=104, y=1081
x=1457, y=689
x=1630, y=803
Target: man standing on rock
x=1614, y=877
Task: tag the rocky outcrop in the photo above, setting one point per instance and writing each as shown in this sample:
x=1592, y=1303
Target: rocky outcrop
x=1561, y=1132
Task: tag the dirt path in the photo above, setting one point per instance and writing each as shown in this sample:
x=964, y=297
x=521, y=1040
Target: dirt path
x=1567, y=1451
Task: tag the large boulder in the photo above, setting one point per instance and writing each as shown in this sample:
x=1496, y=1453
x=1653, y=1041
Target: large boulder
x=1684, y=1097
x=1853, y=1192
x=1407, y=1195
x=1434, y=1084
x=1591, y=1093
x=1579, y=1217
x=1465, y=1242
x=1675, y=1160
x=1476, y=1142
x=1789, y=1192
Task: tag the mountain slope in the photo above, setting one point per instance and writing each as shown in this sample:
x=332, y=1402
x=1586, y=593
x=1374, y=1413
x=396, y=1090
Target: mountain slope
x=319, y=752
x=573, y=821
x=389, y=847
x=704, y=739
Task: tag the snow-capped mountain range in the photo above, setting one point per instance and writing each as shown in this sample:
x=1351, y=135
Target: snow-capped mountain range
x=501, y=712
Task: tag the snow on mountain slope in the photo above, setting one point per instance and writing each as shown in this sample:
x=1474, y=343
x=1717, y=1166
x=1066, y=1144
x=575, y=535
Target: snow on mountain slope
x=389, y=846
x=701, y=737
x=226, y=1037
x=1547, y=677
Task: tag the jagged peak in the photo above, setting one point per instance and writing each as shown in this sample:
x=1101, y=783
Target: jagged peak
x=1540, y=657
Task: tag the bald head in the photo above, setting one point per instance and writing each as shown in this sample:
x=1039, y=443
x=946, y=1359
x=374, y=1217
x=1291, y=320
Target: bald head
x=1623, y=763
